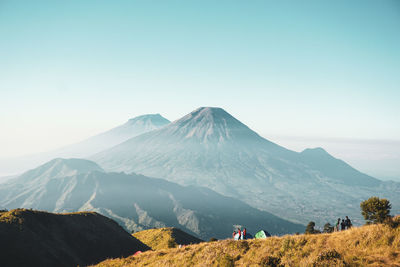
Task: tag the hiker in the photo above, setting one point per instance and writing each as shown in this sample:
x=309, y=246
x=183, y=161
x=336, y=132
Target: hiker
x=233, y=235
x=343, y=225
x=239, y=234
x=337, y=225
x=348, y=223
x=244, y=234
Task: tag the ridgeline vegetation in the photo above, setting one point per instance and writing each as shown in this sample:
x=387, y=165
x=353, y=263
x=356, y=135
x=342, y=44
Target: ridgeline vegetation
x=169, y=237
x=369, y=245
x=375, y=244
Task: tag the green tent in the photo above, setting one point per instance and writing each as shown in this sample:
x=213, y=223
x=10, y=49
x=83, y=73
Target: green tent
x=262, y=234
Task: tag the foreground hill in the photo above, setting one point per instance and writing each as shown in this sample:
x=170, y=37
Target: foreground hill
x=136, y=202
x=35, y=238
x=374, y=245
x=168, y=237
x=209, y=147
x=89, y=146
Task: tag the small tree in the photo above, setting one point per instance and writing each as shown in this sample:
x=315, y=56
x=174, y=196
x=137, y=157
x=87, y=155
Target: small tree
x=328, y=228
x=375, y=210
x=310, y=228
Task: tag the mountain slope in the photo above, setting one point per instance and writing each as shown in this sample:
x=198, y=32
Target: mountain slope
x=92, y=145
x=35, y=238
x=161, y=238
x=373, y=245
x=136, y=202
x=209, y=147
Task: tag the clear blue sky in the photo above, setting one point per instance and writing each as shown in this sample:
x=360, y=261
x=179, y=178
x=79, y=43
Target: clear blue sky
x=316, y=69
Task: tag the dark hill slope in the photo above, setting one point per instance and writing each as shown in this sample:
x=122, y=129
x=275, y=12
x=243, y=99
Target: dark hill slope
x=36, y=238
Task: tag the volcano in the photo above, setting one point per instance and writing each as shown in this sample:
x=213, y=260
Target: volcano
x=209, y=147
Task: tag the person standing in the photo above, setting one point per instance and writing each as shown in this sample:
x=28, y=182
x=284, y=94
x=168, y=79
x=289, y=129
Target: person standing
x=233, y=235
x=239, y=234
x=348, y=223
x=244, y=234
x=343, y=225
x=337, y=226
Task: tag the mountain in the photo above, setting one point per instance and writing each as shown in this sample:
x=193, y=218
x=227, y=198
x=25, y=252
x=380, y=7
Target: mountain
x=210, y=148
x=36, y=238
x=90, y=146
x=133, y=127
x=167, y=237
x=136, y=202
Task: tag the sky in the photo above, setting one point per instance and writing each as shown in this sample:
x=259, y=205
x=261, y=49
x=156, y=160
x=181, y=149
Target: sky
x=300, y=73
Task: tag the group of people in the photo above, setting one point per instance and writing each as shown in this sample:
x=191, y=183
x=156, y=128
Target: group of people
x=343, y=224
x=239, y=235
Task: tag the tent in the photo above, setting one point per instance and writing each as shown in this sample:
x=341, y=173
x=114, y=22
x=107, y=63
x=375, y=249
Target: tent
x=262, y=234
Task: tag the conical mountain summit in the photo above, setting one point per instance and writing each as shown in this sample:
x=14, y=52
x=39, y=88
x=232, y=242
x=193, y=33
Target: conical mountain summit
x=210, y=124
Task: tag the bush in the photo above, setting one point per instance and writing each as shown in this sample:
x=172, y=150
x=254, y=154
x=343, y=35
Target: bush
x=328, y=228
x=329, y=258
x=393, y=222
x=212, y=239
x=375, y=210
x=270, y=261
x=310, y=229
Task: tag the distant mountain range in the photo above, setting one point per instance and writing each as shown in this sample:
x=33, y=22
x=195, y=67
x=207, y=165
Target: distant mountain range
x=135, y=201
x=85, y=148
x=209, y=147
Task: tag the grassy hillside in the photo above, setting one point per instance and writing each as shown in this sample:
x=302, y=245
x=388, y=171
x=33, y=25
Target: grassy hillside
x=373, y=245
x=36, y=238
x=162, y=238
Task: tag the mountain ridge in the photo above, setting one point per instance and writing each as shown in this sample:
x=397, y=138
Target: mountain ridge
x=137, y=202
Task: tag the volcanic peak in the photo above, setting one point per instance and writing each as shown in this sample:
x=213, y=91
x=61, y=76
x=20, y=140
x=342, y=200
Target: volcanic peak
x=210, y=123
x=156, y=119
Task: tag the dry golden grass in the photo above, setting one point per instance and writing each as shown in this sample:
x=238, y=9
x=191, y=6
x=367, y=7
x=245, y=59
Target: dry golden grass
x=162, y=238
x=17, y=215
x=373, y=245
x=156, y=238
